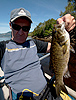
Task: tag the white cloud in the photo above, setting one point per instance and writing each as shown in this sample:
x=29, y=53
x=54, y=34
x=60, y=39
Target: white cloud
x=4, y=29
x=4, y=24
x=49, y=6
x=32, y=28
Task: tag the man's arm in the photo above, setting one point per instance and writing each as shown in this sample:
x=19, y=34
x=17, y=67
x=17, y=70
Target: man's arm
x=41, y=46
x=48, y=47
x=2, y=49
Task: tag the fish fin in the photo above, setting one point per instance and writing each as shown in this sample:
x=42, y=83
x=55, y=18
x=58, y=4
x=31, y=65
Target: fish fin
x=72, y=49
x=67, y=74
x=64, y=49
x=59, y=88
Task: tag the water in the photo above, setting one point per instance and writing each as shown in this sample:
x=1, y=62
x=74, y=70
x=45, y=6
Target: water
x=8, y=38
x=4, y=38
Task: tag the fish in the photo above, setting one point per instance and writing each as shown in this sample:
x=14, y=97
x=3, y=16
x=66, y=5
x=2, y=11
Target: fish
x=59, y=56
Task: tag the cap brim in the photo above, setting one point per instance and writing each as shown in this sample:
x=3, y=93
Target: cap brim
x=20, y=16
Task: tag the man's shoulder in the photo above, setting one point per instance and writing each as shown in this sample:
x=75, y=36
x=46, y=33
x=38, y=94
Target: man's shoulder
x=2, y=49
x=3, y=43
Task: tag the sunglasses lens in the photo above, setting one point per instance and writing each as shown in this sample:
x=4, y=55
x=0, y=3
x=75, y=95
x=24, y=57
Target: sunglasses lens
x=16, y=27
x=26, y=28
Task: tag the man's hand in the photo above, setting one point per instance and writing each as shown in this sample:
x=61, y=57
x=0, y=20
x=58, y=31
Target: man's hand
x=69, y=20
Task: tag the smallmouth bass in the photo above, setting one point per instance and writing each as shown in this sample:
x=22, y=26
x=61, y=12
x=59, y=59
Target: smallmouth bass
x=59, y=55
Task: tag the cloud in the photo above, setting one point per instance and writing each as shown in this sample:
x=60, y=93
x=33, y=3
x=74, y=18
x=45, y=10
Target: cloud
x=4, y=29
x=48, y=5
x=33, y=27
x=4, y=24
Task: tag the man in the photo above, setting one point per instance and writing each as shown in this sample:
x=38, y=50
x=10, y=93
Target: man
x=19, y=59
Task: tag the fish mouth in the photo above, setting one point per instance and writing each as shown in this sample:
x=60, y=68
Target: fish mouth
x=60, y=33
x=60, y=26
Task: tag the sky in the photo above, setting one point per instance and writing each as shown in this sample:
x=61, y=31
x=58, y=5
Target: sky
x=41, y=10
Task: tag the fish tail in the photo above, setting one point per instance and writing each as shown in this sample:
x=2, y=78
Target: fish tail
x=59, y=88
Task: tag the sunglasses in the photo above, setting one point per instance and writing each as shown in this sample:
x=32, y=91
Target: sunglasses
x=18, y=27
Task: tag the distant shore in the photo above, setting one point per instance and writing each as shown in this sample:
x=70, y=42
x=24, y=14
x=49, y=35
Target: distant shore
x=46, y=39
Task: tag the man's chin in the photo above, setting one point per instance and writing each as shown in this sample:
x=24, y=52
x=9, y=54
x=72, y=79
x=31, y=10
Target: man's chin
x=21, y=41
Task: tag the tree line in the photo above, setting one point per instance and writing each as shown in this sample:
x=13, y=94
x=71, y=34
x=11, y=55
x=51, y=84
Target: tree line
x=44, y=29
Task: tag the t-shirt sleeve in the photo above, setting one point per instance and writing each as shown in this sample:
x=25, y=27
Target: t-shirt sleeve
x=2, y=49
x=41, y=46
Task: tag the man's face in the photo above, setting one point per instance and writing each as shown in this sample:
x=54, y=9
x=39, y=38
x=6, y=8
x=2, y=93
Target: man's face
x=19, y=34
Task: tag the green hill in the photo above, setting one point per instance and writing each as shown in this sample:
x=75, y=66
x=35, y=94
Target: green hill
x=44, y=29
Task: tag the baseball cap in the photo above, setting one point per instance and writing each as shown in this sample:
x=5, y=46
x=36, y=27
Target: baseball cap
x=16, y=13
